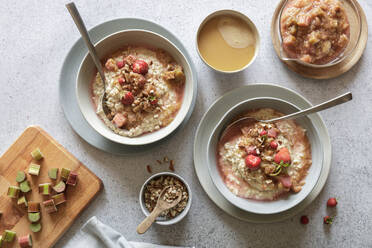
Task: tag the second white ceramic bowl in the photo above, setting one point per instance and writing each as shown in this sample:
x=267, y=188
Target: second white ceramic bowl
x=111, y=44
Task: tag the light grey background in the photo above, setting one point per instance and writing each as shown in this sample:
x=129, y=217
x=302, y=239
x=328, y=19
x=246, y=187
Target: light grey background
x=35, y=36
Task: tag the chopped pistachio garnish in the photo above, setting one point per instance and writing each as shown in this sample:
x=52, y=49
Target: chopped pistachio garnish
x=9, y=236
x=60, y=187
x=21, y=176
x=34, y=169
x=36, y=154
x=49, y=206
x=13, y=191
x=65, y=173
x=59, y=199
x=22, y=201
x=72, y=179
x=34, y=217
x=44, y=188
x=53, y=173
x=25, y=187
x=35, y=227
x=33, y=207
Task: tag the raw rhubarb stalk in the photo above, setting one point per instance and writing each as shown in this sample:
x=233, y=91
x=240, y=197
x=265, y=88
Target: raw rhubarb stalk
x=33, y=207
x=60, y=187
x=34, y=169
x=13, y=191
x=53, y=173
x=44, y=188
x=49, y=206
x=65, y=173
x=25, y=187
x=25, y=241
x=36, y=154
x=21, y=176
x=72, y=179
x=35, y=227
x=59, y=199
x=22, y=201
x=9, y=236
x=34, y=217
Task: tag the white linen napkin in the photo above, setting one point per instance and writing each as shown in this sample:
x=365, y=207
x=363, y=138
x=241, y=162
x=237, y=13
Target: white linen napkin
x=95, y=234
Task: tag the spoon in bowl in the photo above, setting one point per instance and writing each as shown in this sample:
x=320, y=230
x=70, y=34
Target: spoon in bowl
x=101, y=108
x=235, y=126
x=161, y=206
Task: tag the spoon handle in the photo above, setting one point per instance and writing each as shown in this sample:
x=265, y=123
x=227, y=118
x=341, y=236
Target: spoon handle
x=84, y=33
x=325, y=105
x=146, y=223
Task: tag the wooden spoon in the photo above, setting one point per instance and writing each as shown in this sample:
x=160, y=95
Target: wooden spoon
x=161, y=206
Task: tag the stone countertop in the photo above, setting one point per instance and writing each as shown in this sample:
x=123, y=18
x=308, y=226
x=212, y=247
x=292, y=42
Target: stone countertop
x=35, y=38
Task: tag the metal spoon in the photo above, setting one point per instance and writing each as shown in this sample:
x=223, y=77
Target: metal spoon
x=244, y=121
x=93, y=53
x=161, y=206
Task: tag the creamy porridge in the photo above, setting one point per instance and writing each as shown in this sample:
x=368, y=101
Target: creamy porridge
x=264, y=161
x=314, y=31
x=144, y=90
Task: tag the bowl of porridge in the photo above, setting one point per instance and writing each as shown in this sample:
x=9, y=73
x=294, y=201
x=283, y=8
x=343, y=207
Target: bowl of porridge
x=149, y=87
x=318, y=33
x=265, y=168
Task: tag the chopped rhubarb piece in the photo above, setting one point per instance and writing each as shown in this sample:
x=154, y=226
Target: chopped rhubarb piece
x=25, y=187
x=33, y=207
x=59, y=199
x=36, y=154
x=34, y=217
x=22, y=201
x=13, y=191
x=49, y=206
x=21, y=176
x=64, y=174
x=286, y=181
x=53, y=173
x=44, y=188
x=60, y=187
x=272, y=133
x=25, y=241
x=251, y=150
x=35, y=227
x=9, y=236
x=72, y=179
x=34, y=169
x=120, y=120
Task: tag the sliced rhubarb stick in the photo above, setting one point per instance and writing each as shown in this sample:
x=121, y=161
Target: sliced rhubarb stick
x=60, y=187
x=22, y=201
x=53, y=173
x=21, y=176
x=25, y=241
x=34, y=217
x=33, y=207
x=44, y=188
x=13, y=191
x=59, y=199
x=9, y=236
x=25, y=187
x=49, y=206
x=72, y=179
x=36, y=154
x=35, y=227
x=65, y=173
x=34, y=169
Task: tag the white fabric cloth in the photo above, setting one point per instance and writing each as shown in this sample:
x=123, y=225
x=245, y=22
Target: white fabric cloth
x=98, y=235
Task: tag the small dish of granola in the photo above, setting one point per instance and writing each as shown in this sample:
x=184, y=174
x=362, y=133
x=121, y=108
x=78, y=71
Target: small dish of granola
x=151, y=190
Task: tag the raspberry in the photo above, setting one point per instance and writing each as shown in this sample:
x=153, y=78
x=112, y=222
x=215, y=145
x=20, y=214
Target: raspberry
x=304, y=219
x=128, y=98
x=140, y=66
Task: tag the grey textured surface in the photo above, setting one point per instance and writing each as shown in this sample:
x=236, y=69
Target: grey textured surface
x=36, y=36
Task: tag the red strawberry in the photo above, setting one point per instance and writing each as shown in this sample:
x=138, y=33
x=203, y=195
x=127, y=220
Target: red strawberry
x=263, y=132
x=121, y=80
x=252, y=161
x=282, y=155
x=327, y=220
x=128, y=98
x=304, y=219
x=251, y=150
x=273, y=145
x=120, y=64
x=272, y=133
x=332, y=202
x=140, y=66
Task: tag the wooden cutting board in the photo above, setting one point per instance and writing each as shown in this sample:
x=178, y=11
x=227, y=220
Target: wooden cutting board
x=17, y=158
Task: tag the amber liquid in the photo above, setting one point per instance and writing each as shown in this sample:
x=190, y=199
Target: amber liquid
x=217, y=52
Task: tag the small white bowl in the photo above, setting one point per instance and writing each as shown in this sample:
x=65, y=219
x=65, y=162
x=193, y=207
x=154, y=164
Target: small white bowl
x=162, y=220
x=282, y=203
x=111, y=44
x=241, y=16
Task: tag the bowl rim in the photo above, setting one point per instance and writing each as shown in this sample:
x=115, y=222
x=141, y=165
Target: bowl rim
x=230, y=197
x=243, y=17
x=132, y=140
x=179, y=217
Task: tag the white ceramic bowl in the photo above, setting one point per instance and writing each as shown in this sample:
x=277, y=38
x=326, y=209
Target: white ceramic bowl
x=113, y=43
x=285, y=202
x=162, y=220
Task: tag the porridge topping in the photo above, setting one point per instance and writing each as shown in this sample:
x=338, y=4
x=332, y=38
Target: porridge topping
x=155, y=187
x=315, y=31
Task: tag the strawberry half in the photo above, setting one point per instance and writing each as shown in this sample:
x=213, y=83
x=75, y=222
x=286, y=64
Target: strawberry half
x=282, y=155
x=252, y=161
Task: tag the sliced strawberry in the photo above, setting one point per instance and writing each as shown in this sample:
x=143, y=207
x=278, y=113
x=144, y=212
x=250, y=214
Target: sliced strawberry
x=272, y=133
x=140, y=66
x=282, y=155
x=252, y=162
x=128, y=98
